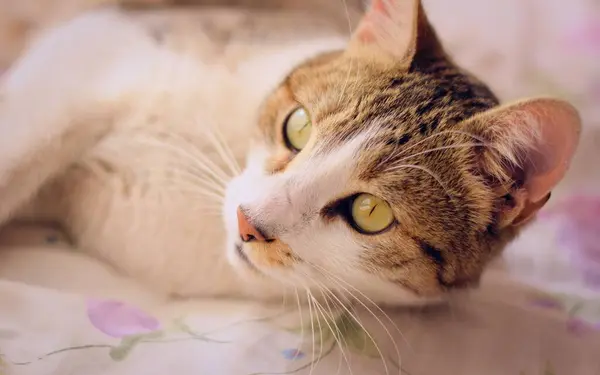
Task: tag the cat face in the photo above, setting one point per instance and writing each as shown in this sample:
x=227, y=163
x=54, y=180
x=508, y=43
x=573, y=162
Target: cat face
x=384, y=170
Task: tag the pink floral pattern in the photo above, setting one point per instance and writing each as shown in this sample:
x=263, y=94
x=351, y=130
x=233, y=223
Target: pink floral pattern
x=117, y=319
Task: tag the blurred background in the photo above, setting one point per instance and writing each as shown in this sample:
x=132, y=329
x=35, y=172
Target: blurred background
x=520, y=47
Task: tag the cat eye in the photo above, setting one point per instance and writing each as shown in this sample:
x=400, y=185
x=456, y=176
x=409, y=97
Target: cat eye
x=297, y=129
x=371, y=215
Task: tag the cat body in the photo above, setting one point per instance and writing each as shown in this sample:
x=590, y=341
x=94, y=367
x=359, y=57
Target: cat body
x=130, y=137
x=128, y=176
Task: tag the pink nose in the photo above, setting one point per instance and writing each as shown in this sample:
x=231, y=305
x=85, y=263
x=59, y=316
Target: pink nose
x=248, y=232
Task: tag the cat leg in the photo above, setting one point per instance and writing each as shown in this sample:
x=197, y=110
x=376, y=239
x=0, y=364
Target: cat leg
x=62, y=97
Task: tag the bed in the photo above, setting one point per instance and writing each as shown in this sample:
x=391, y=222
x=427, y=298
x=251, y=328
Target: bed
x=62, y=313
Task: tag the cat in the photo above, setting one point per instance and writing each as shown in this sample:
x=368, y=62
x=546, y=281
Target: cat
x=373, y=166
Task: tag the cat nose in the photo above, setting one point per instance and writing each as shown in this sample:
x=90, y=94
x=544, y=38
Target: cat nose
x=248, y=232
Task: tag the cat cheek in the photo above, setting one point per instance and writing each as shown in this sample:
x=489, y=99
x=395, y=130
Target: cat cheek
x=272, y=255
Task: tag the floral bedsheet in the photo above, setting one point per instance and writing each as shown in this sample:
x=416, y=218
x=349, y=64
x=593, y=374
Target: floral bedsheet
x=504, y=328
x=47, y=332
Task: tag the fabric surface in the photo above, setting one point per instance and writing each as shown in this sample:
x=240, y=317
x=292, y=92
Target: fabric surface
x=73, y=327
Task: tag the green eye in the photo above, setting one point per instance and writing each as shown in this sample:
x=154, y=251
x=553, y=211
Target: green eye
x=297, y=129
x=371, y=214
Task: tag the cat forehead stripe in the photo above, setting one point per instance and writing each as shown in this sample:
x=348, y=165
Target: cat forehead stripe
x=346, y=148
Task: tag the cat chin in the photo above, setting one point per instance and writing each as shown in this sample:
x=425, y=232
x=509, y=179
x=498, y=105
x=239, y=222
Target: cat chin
x=253, y=283
x=238, y=259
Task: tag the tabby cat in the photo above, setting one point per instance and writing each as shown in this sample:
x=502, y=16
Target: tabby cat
x=374, y=165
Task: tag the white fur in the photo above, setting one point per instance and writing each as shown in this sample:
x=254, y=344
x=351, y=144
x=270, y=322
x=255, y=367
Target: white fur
x=117, y=124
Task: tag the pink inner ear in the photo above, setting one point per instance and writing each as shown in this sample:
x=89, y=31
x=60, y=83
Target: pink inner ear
x=366, y=32
x=548, y=161
x=380, y=7
x=390, y=26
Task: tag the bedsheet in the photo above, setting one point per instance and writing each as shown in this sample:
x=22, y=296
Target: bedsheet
x=71, y=327
x=46, y=332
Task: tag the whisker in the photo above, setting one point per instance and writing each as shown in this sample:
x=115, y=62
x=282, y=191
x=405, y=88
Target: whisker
x=185, y=188
x=212, y=169
x=357, y=320
x=339, y=280
x=196, y=170
x=362, y=327
x=340, y=340
x=320, y=309
x=225, y=151
x=441, y=148
x=312, y=329
x=346, y=82
x=400, y=151
x=337, y=334
x=426, y=170
x=198, y=159
x=187, y=180
x=218, y=147
x=314, y=365
x=178, y=175
x=347, y=12
x=201, y=209
x=198, y=175
x=351, y=65
x=301, y=314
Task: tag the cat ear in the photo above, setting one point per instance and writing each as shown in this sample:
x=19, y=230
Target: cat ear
x=531, y=144
x=398, y=28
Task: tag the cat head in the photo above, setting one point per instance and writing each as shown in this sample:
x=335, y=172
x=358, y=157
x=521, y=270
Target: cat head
x=385, y=170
